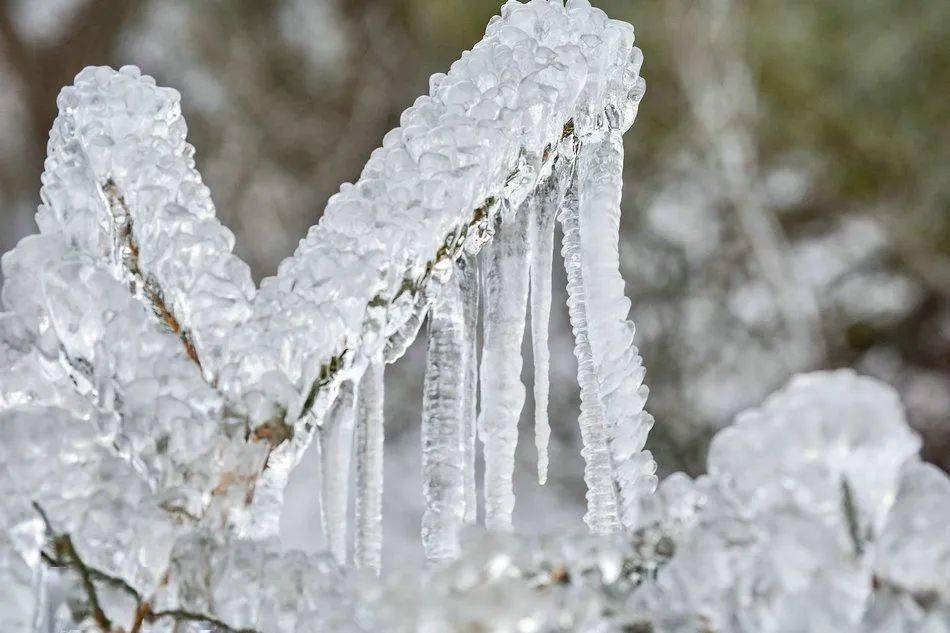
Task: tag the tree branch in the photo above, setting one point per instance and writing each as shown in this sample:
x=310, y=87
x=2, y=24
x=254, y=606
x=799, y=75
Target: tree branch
x=128, y=250
x=65, y=557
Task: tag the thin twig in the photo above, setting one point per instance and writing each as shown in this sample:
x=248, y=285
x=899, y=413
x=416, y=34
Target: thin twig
x=66, y=557
x=122, y=222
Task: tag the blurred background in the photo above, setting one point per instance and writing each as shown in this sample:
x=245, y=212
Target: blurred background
x=786, y=204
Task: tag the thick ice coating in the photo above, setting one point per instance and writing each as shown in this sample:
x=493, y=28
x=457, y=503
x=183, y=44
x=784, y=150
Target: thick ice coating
x=480, y=136
x=120, y=184
x=170, y=399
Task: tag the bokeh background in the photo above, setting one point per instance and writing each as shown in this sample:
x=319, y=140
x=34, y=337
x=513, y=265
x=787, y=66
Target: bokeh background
x=786, y=202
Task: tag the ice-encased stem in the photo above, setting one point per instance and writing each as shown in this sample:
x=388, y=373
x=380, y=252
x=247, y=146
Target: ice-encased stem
x=399, y=341
x=368, y=541
x=543, y=210
x=616, y=361
x=502, y=392
x=443, y=409
x=336, y=447
x=602, y=513
x=467, y=271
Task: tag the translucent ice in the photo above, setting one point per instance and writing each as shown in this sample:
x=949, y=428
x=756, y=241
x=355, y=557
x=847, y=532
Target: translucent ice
x=543, y=208
x=155, y=402
x=368, y=539
x=120, y=183
x=443, y=414
x=468, y=280
x=617, y=363
x=501, y=389
x=336, y=447
x=602, y=509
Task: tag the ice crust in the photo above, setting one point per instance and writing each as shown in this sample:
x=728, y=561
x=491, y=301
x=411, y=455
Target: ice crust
x=763, y=543
x=175, y=398
x=479, y=137
x=153, y=402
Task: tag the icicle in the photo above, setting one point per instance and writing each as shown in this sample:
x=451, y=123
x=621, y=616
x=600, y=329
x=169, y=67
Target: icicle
x=467, y=272
x=336, y=446
x=442, y=418
x=616, y=360
x=502, y=392
x=369, y=468
x=601, y=515
x=400, y=341
x=543, y=209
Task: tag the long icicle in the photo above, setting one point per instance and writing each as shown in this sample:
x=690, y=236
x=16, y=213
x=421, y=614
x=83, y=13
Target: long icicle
x=602, y=512
x=336, y=447
x=368, y=541
x=502, y=392
x=467, y=271
x=543, y=211
x=442, y=418
x=617, y=363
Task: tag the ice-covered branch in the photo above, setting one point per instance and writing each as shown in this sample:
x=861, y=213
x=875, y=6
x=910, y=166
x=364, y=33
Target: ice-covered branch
x=153, y=403
x=130, y=294
x=120, y=184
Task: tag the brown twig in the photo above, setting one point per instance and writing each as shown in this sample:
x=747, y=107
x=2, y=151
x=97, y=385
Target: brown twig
x=122, y=220
x=65, y=556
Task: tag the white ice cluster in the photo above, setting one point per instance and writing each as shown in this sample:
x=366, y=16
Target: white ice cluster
x=153, y=402
x=816, y=516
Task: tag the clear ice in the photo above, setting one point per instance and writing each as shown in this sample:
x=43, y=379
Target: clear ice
x=602, y=509
x=501, y=391
x=468, y=280
x=368, y=539
x=616, y=362
x=443, y=414
x=336, y=451
x=139, y=360
x=543, y=208
x=153, y=402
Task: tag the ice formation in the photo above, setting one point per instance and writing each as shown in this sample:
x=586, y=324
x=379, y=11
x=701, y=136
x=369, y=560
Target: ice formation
x=154, y=402
x=468, y=280
x=369, y=468
x=336, y=451
x=501, y=392
x=543, y=209
x=443, y=411
x=763, y=543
